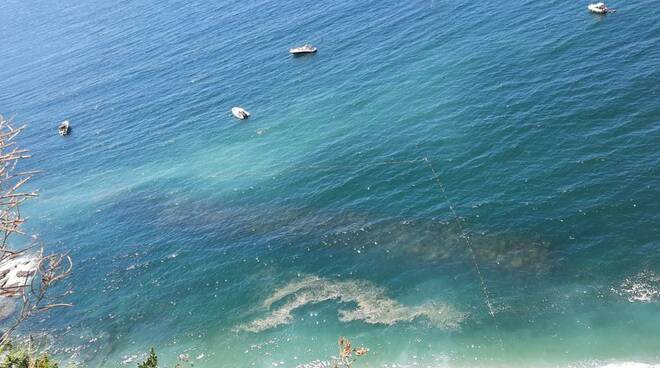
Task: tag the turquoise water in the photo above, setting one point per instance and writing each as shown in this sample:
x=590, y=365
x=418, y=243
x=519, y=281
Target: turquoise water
x=258, y=243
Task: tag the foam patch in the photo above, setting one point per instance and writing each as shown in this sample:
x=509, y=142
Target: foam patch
x=373, y=305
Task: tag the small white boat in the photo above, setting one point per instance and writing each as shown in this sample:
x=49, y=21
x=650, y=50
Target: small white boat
x=600, y=8
x=64, y=128
x=304, y=49
x=240, y=113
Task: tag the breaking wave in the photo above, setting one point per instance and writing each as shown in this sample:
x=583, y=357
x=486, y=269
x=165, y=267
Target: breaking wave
x=330, y=363
x=614, y=365
x=15, y=270
x=630, y=365
x=373, y=305
x=643, y=287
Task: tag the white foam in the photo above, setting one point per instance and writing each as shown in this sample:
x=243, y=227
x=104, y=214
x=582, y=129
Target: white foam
x=7, y=307
x=416, y=364
x=643, y=287
x=595, y=364
x=18, y=270
x=15, y=271
x=373, y=305
x=321, y=364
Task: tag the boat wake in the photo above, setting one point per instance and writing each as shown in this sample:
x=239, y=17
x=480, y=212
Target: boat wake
x=373, y=305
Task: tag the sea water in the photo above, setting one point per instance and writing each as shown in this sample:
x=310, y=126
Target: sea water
x=448, y=183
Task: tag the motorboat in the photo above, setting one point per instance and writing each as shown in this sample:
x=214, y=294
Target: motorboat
x=64, y=128
x=304, y=49
x=240, y=113
x=600, y=8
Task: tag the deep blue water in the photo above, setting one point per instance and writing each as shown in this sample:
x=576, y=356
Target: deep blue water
x=541, y=122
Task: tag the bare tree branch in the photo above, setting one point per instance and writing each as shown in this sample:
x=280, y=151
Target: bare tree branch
x=26, y=276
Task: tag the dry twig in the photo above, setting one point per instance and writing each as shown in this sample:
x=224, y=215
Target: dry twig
x=39, y=272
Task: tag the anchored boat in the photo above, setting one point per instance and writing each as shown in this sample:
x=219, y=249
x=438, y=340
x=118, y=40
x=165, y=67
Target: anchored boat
x=304, y=49
x=64, y=128
x=240, y=113
x=600, y=8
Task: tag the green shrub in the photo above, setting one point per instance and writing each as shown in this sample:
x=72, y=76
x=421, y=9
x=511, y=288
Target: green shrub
x=15, y=358
x=23, y=358
x=44, y=362
x=151, y=362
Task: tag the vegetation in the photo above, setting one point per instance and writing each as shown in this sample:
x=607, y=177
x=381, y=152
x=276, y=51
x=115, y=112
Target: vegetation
x=25, y=357
x=151, y=362
x=27, y=273
x=347, y=354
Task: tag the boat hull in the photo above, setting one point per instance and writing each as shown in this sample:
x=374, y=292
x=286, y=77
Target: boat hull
x=302, y=52
x=64, y=129
x=240, y=113
x=595, y=9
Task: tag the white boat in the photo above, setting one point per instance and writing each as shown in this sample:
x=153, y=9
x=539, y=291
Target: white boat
x=64, y=128
x=240, y=113
x=304, y=49
x=600, y=8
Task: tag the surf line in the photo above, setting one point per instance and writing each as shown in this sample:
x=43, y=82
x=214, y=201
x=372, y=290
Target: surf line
x=468, y=245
